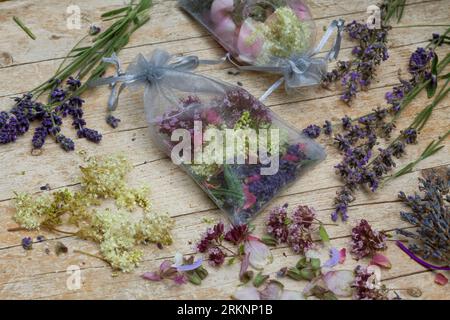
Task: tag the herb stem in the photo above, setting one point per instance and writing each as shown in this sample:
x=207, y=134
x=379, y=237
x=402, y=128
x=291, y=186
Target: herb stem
x=24, y=27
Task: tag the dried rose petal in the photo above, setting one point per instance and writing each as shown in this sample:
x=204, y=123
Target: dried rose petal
x=273, y=291
x=440, y=279
x=381, y=261
x=340, y=282
x=246, y=293
x=291, y=295
x=152, y=276
x=259, y=254
x=343, y=255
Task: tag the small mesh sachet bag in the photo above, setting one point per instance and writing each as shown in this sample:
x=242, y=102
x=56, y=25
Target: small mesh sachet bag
x=234, y=147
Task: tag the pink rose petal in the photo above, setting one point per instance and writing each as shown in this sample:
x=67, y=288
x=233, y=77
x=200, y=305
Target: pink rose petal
x=259, y=254
x=381, y=261
x=152, y=276
x=273, y=291
x=246, y=293
x=248, y=50
x=343, y=255
x=220, y=9
x=340, y=282
x=226, y=30
x=440, y=279
x=250, y=198
x=291, y=295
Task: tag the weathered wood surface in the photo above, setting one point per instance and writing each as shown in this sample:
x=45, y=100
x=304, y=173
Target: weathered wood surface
x=25, y=63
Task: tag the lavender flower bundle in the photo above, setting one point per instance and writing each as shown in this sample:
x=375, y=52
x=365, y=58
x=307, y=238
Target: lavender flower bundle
x=239, y=152
x=430, y=215
x=65, y=87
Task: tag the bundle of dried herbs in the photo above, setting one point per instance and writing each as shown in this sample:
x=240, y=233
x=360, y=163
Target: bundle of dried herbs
x=63, y=89
x=118, y=232
x=429, y=214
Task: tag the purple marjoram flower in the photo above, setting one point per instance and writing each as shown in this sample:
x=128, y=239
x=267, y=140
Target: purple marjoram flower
x=216, y=257
x=312, y=131
x=276, y=225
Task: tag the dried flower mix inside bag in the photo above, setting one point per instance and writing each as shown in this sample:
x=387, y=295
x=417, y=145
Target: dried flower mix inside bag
x=238, y=151
x=274, y=36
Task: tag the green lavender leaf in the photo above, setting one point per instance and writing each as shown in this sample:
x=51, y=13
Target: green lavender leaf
x=115, y=12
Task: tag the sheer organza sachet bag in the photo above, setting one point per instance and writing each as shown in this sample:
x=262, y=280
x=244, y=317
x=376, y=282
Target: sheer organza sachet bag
x=235, y=148
x=273, y=36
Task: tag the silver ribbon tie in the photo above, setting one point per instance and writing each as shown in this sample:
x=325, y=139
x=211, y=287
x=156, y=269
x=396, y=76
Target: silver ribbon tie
x=307, y=69
x=163, y=76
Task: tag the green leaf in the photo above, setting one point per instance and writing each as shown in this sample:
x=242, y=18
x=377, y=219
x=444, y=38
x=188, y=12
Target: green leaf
x=194, y=278
x=269, y=240
x=324, y=234
x=315, y=263
x=114, y=12
x=260, y=279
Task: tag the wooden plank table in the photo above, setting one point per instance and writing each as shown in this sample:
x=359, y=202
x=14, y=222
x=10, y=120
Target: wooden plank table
x=25, y=63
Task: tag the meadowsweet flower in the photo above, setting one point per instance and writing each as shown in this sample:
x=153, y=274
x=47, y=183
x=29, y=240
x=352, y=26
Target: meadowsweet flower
x=366, y=241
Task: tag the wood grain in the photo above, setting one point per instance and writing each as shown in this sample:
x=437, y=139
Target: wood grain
x=25, y=64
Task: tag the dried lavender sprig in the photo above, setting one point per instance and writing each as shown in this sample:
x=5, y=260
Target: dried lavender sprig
x=87, y=62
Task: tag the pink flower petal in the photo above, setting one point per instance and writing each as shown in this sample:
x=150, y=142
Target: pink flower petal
x=248, y=51
x=381, y=261
x=250, y=198
x=220, y=9
x=244, y=265
x=165, y=266
x=343, y=255
x=440, y=279
x=226, y=30
x=273, y=291
x=246, y=293
x=259, y=254
x=340, y=282
x=291, y=295
x=152, y=276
